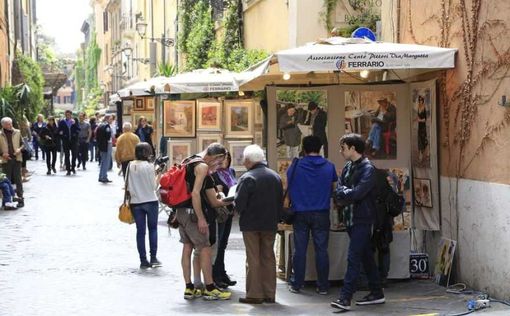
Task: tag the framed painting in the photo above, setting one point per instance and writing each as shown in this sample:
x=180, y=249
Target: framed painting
x=239, y=115
x=139, y=104
x=178, y=150
x=149, y=104
x=137, y=115
x=236, y=149
x=179, y=118
x=204, y=140
x=422, y=192
x=127, y=107
x=209, y=115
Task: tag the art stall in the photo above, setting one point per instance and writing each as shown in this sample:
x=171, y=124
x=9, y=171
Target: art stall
x=191, y=110
x=387, y=93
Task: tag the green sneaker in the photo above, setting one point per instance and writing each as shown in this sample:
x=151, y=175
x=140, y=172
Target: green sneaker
x=198, y=292
x=216, y=295
x=189, y=294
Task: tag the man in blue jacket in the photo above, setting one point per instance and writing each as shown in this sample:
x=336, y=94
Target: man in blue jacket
x=355, y=192
x=68, y=131
x=310, y=182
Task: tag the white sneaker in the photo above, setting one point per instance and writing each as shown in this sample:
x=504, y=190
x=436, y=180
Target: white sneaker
x=11, y=204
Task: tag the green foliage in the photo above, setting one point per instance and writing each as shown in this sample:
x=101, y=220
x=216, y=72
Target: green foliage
x=95, y=96
x=34, y=81
x=302, y=96
x=166, y=69
x=241, y=58
x=185, y=17
x=325, y=15
x=85, y=74
x=201, y=36
x=48, y=58
x=7, y=101
x=232, y=38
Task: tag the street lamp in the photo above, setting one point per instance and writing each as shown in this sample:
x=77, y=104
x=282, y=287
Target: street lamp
x=141, y=28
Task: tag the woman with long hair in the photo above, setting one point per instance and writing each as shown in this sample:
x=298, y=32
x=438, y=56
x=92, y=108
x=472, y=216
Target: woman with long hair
x=141, y=184
x=225, y=178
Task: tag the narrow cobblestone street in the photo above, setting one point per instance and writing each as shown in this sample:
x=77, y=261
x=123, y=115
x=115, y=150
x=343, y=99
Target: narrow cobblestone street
x=66, y=253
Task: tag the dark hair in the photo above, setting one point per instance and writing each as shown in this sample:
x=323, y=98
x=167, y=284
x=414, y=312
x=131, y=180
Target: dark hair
x=311, y=144
x=354, y=140
x=68, y=111
x=312, y=106
x=420, y=98
x=143, y=151
x=228, y=158
x=92, y=119
x=216, y=149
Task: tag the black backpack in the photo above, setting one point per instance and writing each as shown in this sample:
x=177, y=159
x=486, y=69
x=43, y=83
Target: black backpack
x=386, y=198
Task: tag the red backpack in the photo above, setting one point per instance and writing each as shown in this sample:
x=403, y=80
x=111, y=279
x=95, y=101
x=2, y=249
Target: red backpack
x=174, y=190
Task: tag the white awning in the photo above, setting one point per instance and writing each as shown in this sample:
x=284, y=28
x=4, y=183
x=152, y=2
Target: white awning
x=338, y=53
x=141, y=88
x=200, y=81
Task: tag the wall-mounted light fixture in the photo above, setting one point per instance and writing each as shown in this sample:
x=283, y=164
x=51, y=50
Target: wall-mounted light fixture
x=286, y=76
x=141, y=28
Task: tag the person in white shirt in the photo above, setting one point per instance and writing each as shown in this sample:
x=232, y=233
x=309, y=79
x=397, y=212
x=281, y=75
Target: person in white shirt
x=141, y=184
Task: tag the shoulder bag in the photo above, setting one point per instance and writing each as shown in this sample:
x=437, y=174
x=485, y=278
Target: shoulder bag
x=125, y=214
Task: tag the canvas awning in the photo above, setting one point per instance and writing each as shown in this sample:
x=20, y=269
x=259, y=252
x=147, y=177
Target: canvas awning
x=340, y=60
x=200, y=81
x=141, y=88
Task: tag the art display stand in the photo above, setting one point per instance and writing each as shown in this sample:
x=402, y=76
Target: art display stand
x=338, y=248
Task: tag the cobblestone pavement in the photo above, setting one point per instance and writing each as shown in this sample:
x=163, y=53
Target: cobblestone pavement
x=66, y=253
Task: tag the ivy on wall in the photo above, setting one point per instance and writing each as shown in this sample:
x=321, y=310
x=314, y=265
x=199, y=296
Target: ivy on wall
x=367, y=16
x=203, y=49
x=31, y=76
x=86, y=79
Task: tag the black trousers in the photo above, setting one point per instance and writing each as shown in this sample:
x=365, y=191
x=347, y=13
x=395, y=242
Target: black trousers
x=12, y=169
x=83, y=153
x=70, y=154
x=51, y=157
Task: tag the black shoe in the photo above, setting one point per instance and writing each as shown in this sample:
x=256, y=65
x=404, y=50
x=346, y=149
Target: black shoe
x=49, y=172
x=342, y=303
x=21, y=202
x=228, y=281
x=74, y=171
x=105, y=180
x=371, y=299
x=84, y=168
x=78, y=166
x=10, y=208
x=68, y=173
x=54, y=170
x=221, y=285
x=249, y=300
x=145, y=265
x=155, y=263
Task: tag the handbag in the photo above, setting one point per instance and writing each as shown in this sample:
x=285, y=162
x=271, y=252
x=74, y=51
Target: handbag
x=125, y=214
x=172, y=219
x=288, y=214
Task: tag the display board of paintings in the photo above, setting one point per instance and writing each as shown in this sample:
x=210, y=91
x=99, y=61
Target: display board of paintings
x=239, y=118
x=179, y=118
x=209, y=115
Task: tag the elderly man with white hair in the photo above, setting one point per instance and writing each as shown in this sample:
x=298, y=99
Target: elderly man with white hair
x=259, y=199
x=11, y=145
x=126, y=144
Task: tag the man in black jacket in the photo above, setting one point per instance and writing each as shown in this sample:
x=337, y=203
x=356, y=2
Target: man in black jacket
x=259, y=199
x=318, y=119
x=68, y=131
x=104, y=144
x=356, y=193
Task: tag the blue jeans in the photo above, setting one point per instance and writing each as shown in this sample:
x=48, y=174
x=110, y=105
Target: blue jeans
x=318, y=224
x=223, y=235
x=92, y=147
x=106, y=158
x=146, y=214
x=375, y=136
x=360, y=253
x=7, y=191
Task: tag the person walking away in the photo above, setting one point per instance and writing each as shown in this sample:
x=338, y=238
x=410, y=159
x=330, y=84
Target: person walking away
x=313, y=180
x=225, y=178
x=144, y=131
x=104, y=136
x=36, y=130
x=83, y=140
x=93, y=143
x=193, y=226
x=49, y=139
x=126, y=144
x=141, y=185
x=259, y=200
x=355, y=192
x=11, y=145
x=318, y=119
x=68, y=131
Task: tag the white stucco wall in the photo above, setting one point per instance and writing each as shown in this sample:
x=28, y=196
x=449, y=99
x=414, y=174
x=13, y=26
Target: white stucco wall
x=484, y=233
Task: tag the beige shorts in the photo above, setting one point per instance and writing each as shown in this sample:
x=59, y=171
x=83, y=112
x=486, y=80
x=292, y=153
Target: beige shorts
x=188, y=230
